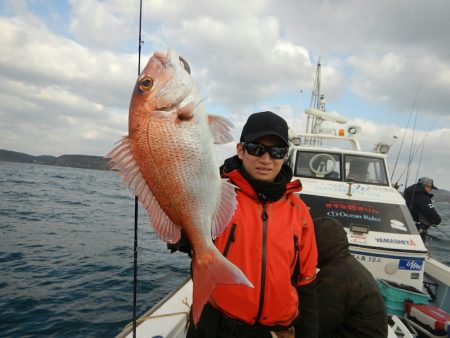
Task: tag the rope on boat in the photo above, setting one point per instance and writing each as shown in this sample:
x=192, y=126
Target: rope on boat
x=144, y=317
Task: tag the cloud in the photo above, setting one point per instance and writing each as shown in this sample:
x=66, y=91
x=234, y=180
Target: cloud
x=423, y=149
x=47, y=80
x=389, y=48
x=68, y=90
x=395, y=80
x=102, y=25
x=246, y=61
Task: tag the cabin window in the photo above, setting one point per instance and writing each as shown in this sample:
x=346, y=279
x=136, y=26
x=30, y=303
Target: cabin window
x=367, y=170
x=314, y=164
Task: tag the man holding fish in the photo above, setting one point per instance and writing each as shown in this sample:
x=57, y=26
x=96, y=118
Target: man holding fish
x=270, y=239
x=247, y=282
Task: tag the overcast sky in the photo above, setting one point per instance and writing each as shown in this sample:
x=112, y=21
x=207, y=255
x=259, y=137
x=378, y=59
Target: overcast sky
x=67, y=68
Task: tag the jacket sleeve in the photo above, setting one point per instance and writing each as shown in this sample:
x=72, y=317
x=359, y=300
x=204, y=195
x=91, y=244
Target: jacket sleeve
x=183, y=245
x=427, y=210
x=308, y=323
x=308, y=249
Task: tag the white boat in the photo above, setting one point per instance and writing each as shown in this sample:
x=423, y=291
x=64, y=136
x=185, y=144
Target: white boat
x=353, y=186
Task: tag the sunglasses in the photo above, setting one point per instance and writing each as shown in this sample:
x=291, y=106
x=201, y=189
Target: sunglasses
x=256, y=149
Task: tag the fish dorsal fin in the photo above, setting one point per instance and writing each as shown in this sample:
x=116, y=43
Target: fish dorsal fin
x=122, y=160
x=220, y=129
x=226, y=208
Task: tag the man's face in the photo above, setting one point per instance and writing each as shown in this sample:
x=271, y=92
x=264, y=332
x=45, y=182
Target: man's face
x=263, y=168
x=427, y=188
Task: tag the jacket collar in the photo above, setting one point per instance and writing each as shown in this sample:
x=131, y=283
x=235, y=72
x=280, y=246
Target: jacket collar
x=236, y=178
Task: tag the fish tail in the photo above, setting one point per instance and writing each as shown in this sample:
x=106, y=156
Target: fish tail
x=209, y=269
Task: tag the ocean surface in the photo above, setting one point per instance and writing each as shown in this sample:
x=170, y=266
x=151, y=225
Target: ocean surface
x=66, y=253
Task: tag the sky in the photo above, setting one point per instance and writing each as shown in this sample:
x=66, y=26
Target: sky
x=67, y=69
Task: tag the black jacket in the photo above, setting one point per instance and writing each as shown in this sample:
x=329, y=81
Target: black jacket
x=420, y=205
x=349, y=300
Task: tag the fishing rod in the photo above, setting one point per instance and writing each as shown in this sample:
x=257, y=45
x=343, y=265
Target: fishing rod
x=404, y=134
x=141, y=42
x=420, y=162
x=420, y=146
x=411, y=150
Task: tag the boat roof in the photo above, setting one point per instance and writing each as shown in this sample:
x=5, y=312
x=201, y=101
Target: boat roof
x=337, y=150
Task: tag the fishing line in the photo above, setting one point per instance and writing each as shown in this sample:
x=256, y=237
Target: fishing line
x=141, y=42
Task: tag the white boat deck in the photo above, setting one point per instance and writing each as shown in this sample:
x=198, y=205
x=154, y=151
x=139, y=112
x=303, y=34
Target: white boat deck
x=168, y=318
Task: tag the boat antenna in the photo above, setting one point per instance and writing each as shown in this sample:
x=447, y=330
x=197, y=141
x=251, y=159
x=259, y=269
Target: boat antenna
x=141, y=42
x=315, y=97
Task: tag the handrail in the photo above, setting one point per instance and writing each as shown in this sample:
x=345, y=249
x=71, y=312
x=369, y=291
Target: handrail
x=300, y=139
x=400, y=327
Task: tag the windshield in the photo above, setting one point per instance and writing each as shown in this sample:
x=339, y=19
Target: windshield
x=365, y=170
x=318, y=165
x=331, y=166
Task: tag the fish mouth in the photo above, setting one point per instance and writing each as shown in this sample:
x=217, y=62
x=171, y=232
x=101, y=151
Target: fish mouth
x=172, y=58
x=176, y=66
x=162, y=57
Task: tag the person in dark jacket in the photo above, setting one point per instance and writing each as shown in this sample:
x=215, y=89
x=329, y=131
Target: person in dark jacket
x=349, y=300
x=418, y=199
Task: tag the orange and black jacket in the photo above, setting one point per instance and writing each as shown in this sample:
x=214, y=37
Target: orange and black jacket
x=270, y=242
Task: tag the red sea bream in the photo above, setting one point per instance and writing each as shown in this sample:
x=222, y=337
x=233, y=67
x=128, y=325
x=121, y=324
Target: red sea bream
x=168, y=158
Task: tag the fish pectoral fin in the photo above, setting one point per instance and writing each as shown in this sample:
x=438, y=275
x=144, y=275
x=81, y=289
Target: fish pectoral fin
x=186, y=113
x=209, y=269
x=220, y=129
x=226, y=208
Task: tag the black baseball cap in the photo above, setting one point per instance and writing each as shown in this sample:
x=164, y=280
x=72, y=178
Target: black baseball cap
x=427, y=181
x=263, y=124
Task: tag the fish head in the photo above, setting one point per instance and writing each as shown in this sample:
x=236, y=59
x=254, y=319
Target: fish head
x=164, y=83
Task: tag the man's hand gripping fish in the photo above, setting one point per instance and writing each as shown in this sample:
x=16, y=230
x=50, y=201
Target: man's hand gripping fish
x=168, y=157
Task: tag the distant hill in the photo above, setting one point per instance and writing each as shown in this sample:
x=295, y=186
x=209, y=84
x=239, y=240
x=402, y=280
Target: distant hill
x=441, y=195
x=74, y=161
x=100, y=163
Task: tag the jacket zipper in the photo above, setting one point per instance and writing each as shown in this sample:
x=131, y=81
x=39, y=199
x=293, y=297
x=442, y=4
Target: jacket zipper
x=263, y=263
x=230, y=239
x=296, y=273
x=296, y=250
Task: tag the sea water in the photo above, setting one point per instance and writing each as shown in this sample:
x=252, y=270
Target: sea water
x=66, y=253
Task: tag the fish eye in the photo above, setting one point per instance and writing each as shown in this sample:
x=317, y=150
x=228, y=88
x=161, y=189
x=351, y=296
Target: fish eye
x=146, y=84
x=185, y=64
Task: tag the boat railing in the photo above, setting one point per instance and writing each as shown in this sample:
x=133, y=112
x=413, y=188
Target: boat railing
x=400, y=329
x=316, y=140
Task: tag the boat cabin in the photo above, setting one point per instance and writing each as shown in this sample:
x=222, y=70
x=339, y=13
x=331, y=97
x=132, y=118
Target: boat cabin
x=353, y=187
